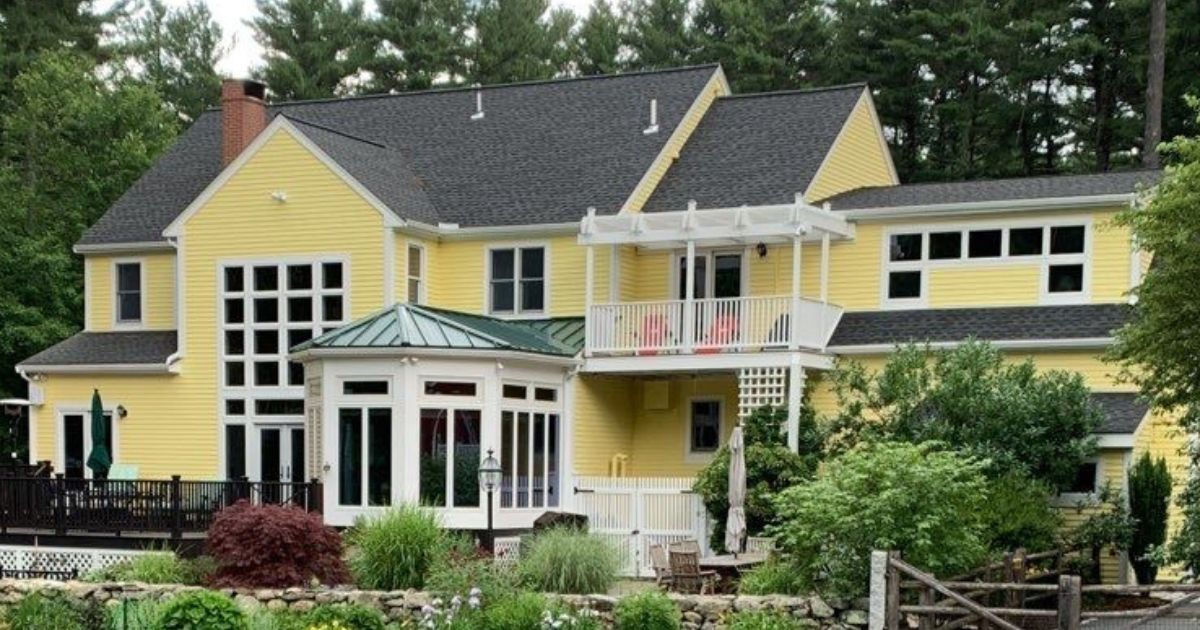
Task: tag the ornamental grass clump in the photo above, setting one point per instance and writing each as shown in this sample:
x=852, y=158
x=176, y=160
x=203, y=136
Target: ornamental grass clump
x=399, y=548
x=159, y=567
x=272, y=546
x=38, y=611
x=646, y=611
x=568, y=560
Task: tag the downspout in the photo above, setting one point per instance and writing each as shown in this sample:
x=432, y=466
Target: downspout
x=174, y=357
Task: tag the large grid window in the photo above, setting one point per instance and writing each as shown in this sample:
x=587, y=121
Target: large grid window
x=1060, y=249
x=517, y=280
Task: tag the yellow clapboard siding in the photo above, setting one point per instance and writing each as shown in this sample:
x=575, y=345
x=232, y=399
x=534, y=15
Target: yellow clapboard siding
x=1111, y=258
x=857, y=159
x=1112, y=472
x=1161, y=436
x=603, y=422
x=1013, y=285
x=660, y=436
x=158, y=281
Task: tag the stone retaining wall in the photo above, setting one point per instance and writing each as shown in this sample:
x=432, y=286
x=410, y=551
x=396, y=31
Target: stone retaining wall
x=697, y=611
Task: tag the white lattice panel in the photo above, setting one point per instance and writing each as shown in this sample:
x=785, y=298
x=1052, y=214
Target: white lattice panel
x=758, y=387
x=17, y=558
x=507, y=551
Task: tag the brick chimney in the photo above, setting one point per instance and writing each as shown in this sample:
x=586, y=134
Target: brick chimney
x=243, y=116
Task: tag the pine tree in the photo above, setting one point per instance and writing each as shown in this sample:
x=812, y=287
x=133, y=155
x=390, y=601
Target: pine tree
x=314, y=48
x=1183, y=65
x=763, y=45
x=658, y=35
x=418, y=43
x=599, y=40
x=177, y=51
x=513, y=42
x=1149, y=500
x=30, y=27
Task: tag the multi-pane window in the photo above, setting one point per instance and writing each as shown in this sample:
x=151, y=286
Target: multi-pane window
x=1060, y=249
x=129, y=293
x=705, y=426
x=530, y=449
x=365, y=455
x=517, y=280
x=416, y=274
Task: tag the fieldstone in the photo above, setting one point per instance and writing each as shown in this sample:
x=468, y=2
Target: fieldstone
x=819, y=608
x=688, y=625
x=246, y=602
x=276, y=605
x=693, y=616
x=364, y=598
x=266, y=594
x=602, y=603
x=713, y=605
x=303, y=605
x=293, y=594
x=102, y=595
x=750, y=603
x=417, y=599
x=806, y=622
x=324, y=597
x=855, y=617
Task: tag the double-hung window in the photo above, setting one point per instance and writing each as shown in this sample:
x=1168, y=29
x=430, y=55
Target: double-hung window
x=517, y=280
x=129, y=293
x=416, y=274
x=704, y=427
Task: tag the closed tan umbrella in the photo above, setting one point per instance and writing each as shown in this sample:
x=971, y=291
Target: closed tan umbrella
x=735, y=523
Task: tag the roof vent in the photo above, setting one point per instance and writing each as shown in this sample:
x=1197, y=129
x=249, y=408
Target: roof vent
x=653, y=128
x=478, y=115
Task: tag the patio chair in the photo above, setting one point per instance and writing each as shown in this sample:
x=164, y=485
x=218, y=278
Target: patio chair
x=723, y=332
x=661, y=566
x=686, y=575
x=654, y=334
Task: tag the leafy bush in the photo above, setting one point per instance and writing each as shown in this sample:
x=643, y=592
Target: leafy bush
x=763, y=620
x=38, y=611
x=271, y=546
x=916, y=499
x=774, y=577
x=568, y=560
x=1149, y=500
x=1020, y=514
x=398, y=548
x=201, y=610
x=262, y=619
x=1108, y=525
x=156, y=568
x=349, y=616
x=522, y=611
x=1015, y=416
x=461, y=573
x=134, y=614
x=649, y=610
x=770, y=467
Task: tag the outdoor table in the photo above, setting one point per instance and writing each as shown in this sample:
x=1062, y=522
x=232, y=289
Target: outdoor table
x=729, y=567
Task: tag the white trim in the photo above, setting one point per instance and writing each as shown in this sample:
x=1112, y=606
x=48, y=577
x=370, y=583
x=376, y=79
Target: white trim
x=97, y=368
x=87, y=294
x=128, y=324
x=722, y=362
x=709, y=254
x=1083, y=343
x=1115, y=440
x=180, y=303
x=389, y=266
x=1071, y=499
x=279, y=123
x=517, y=247
x=701, y=457
x=134, y=247
x=887, y=153
x=1083, y=202
x=433, y=353
x=422, y=278
x=669, y=151
x=85, y=412
x=454, y=232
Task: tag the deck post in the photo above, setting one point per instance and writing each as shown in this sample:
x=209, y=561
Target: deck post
x=1070, y=600
x=588, y=288
x=794, y=333
x=60, y=507
x=795, y=396
x=176, y=508
x=689, y=298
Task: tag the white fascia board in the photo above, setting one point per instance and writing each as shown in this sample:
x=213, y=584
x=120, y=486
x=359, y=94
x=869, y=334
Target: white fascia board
x=1087, y=343
x=97, y=368
x=1114, y=440
x=123, y=248
x=426, y=230
x=722, y=362
x=433, y=353
x=980, y=207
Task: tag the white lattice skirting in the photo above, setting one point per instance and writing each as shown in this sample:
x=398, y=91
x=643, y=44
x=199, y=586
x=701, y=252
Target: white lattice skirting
x=18, y=558
x=758, y=387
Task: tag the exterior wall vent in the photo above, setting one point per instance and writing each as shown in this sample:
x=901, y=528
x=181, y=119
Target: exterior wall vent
x=653, y=128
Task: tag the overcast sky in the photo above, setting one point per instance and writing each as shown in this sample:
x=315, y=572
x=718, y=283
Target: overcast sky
x=246, y=52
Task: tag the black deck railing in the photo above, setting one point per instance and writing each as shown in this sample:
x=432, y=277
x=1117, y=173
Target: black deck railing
x=172, y=506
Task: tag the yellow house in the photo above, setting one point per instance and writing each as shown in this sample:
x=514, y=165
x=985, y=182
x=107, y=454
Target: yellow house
x=591, y=279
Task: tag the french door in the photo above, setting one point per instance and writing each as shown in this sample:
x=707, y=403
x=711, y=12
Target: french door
x=280, y=458
x=717, y=275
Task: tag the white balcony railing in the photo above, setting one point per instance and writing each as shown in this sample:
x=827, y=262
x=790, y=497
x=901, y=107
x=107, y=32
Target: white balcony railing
x=739, y=324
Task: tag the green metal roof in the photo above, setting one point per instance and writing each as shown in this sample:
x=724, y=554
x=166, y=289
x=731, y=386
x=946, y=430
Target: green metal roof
x=413, y=326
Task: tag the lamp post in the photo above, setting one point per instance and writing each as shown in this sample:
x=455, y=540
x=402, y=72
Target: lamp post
x=490, y=475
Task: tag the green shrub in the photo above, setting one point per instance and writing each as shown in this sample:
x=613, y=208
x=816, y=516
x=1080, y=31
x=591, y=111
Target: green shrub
x=1020, y=514
x=916, y=499
x=568, y=560
x=649, y=610
x=39, y=611
x=263, y=619
x=352, y=616
x=763, y=620
x=770, y=467
x=201, y=610
x=398, y=549
x=134, y=614
x=460, y=574
x=156, y=568
x=522, y=611
x=1149, y=499
x=774, y=577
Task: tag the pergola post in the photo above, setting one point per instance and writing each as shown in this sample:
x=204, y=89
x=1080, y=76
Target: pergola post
x=588, y=287
x=825, y=267
x=795, y=394
x=797, y=253
x=689, y=291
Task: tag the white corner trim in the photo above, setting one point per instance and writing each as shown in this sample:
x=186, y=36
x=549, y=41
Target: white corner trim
x=389, y=266
x=280, y=123
x=1084, y=343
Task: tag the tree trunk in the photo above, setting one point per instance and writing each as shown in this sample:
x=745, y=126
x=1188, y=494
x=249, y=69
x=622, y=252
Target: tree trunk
x=1154, y=83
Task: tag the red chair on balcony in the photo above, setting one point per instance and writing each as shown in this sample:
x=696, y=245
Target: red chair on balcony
x=722, y=333
x=654, y=334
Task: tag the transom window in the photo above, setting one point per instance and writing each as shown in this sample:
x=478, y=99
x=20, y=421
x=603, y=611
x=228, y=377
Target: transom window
x=1060, y=249
x=517, y=280
x=705, y=427
x=129, y=292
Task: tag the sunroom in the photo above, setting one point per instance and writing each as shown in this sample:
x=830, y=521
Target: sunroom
x=403, y=406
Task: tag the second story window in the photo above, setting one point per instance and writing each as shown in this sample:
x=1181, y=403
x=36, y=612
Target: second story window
x=129, y=293
x=416, y=274
x=517, y=280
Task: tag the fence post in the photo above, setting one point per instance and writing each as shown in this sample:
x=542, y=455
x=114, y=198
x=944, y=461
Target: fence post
x=893, y=592
x=243, y=489
x=60, y=508
x=315, y=496
x=877, y=618
x=1070, y=600
x=1019, y=574
x=176, y=508
x=928, y=598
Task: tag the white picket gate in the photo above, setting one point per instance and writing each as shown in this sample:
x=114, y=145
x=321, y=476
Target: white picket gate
x=636, y=512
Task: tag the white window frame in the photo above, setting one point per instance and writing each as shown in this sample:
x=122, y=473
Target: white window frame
x=531, y=406
x=517, y=312
x=117, y=320
x=451, y=405
x=693, y=456
x=710, y=254
x=1071, y=499
x=422, y=291
x=364, y=405
x=60, y=447
x=1044, y=260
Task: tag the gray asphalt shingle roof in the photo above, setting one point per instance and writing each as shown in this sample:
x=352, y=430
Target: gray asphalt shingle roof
x=1018, y=323
x=543, y=153
x=756, y=149
x=1048, y=187
x=1123, y=412
x=108, y=348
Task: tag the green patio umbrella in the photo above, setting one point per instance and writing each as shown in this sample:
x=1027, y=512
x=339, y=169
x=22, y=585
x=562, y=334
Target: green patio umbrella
x=99, y=459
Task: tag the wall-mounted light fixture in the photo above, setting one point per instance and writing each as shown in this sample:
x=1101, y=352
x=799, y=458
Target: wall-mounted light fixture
x=122, y=411
x=761, y=248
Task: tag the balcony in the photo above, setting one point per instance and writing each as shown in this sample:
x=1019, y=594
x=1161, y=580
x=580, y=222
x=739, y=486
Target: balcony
x=709, y=326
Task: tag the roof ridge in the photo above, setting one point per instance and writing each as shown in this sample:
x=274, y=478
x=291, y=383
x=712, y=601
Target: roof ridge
x=1004, y=179
x=797, y=91
x=491, y=86
x=333, y=131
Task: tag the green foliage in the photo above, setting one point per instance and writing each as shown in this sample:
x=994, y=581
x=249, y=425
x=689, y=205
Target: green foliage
x=658, y=35
x=1108, y=525
x=312, y=46
x=134, y=614
x=770, y=467
x=156, y=568
x=521, y=611
x=418, y=43
x=763, y=620
x=916, y=499
x=397, y=548
x=464, y=571
x=1011, y=414
x=568, y=560
x=761, y=44
x=201, y=610
x=1020, y=514
x=516, y=40
x=349, y=616
x=1149, y=501
x=599, y=40
x=773, y=577
x=648, y=610
x=38, y=611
